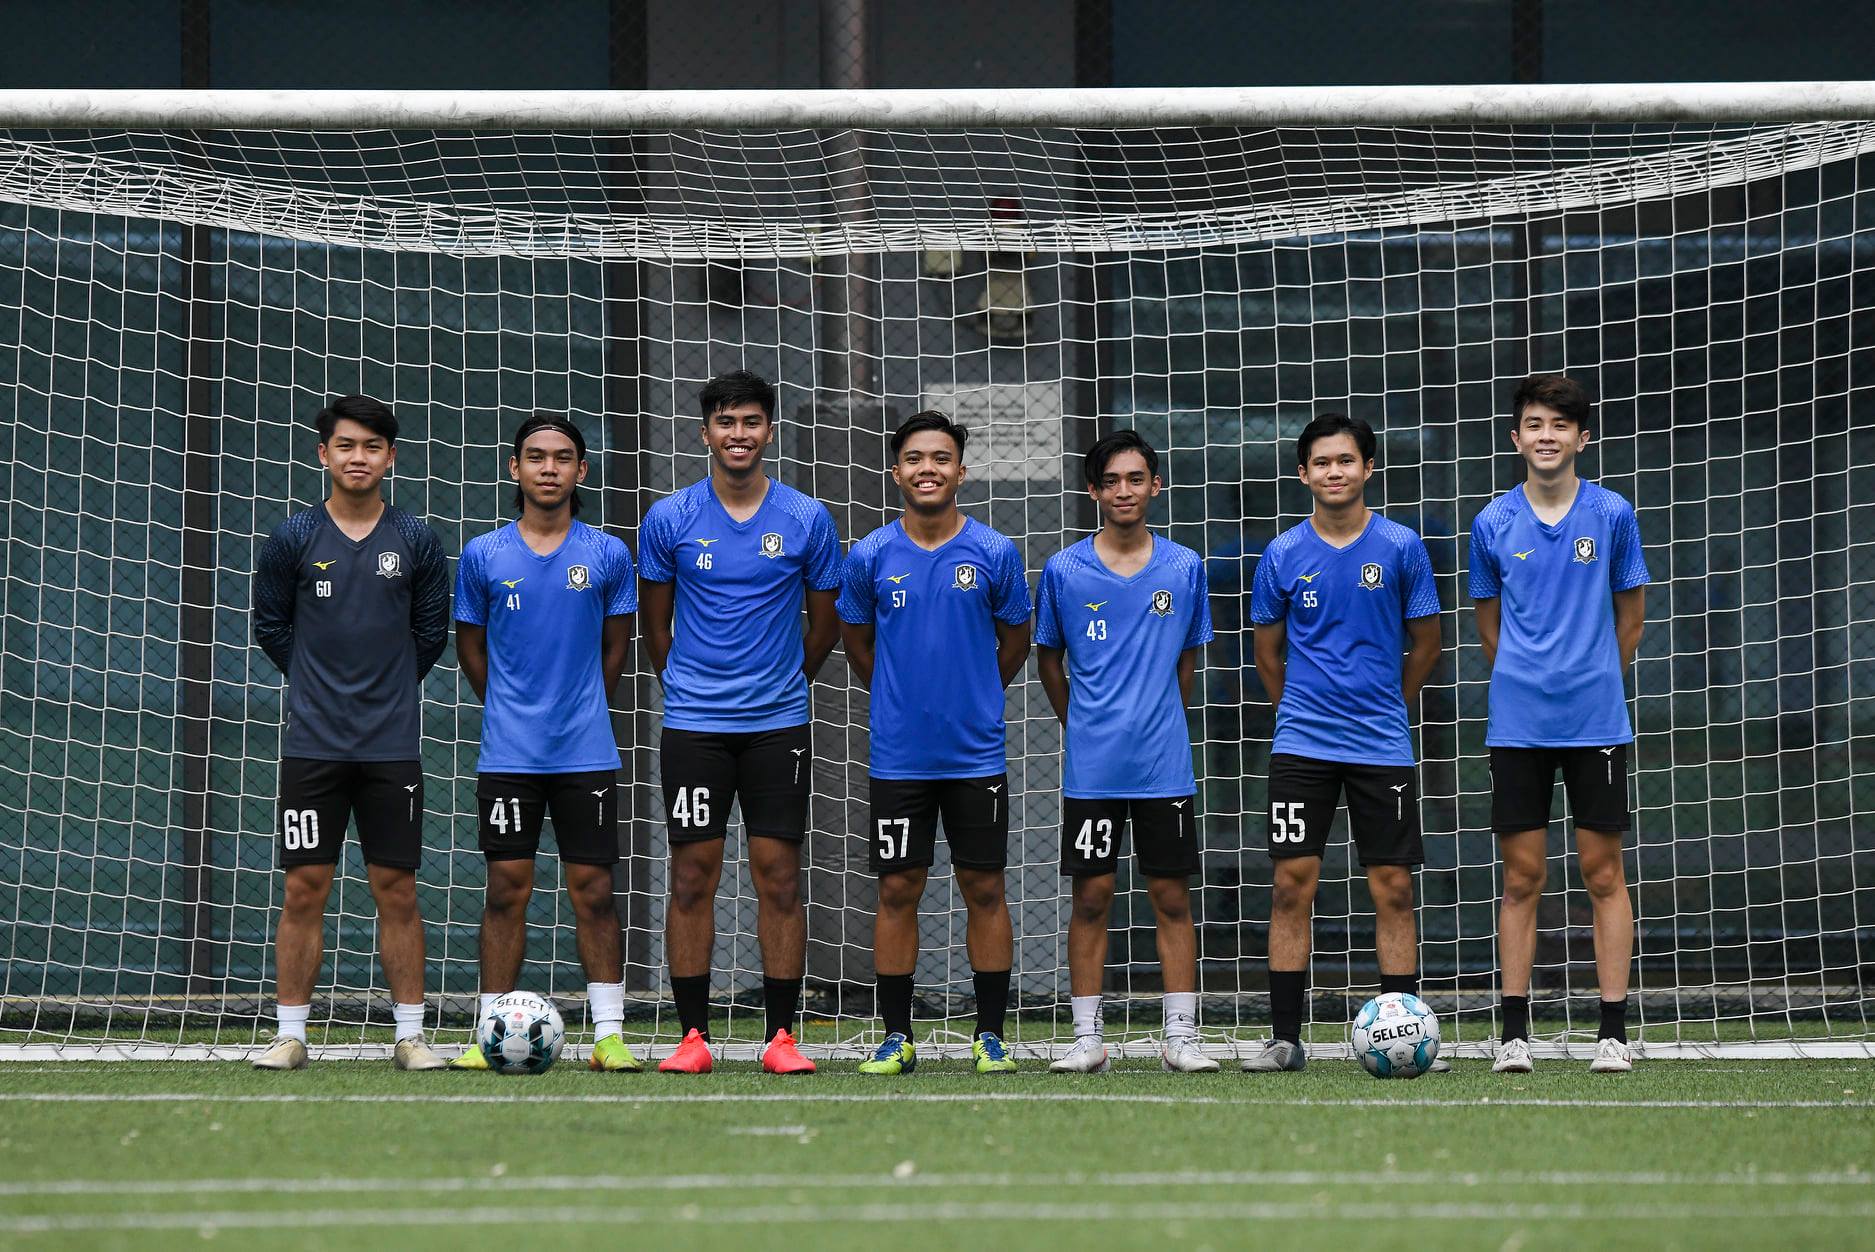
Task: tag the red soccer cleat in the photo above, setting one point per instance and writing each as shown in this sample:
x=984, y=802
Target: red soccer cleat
x=692, y=1056
x=782, y=1057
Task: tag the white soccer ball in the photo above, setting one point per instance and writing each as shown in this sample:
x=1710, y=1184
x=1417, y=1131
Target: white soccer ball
x=522, y=1034
x=1396, y=1036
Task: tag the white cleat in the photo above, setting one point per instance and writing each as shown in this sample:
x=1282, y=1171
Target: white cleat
x=415, y=1054
x=1513, y=1057
x=1184, y=1056
x=1612, y=1056
x=1087, y=1056
x=1439, y=1066
x=282, y=1053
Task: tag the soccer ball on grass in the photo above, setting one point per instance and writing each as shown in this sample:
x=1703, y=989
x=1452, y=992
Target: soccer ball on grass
x=522, y=1034
x=1396, y=1036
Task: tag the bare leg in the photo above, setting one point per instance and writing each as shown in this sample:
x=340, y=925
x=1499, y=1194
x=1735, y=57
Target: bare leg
x=690, y=918
x=504, y=923
x=595, y=920
x=1178, y=938
x=400, y=930
x=299, y=944
x=1526, y=868
x=1607, y=883
x=780, y=918
x=895, y=929
x=1394, y=936
x=1087, y=934
x=988, y=937
x=1292, y=910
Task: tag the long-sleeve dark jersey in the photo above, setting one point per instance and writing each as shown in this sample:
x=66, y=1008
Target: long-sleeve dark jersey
x=354, y=626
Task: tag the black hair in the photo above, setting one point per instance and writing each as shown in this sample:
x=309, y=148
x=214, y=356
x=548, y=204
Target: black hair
x=1554, y=391
x=367, y=412
x=738, y=387
x=1328, y=425
x=1104, y=450
x=930, y=419
x=534, y=425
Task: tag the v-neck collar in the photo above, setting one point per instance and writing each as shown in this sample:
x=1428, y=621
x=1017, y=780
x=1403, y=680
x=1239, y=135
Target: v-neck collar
x=1351, y=544
x=1556, y=527
x=906, y=535
x=767, y=494
x=1123, y=579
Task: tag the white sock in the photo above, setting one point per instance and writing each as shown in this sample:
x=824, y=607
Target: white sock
x=607, y=1001
x=488, y=1000
x=409, y=1019
x=292, y=1019
x=1181, y=1015
x=1086, y=1016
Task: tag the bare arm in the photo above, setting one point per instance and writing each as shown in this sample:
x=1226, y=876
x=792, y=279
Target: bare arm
x=858, y=641
x=1422, y=636
x=1271, y=662
x=1630, y=620
x=656, y=601
x=1187, y=671
x=1012, y=648
x=1054, y=679
x=472, y=656
x=823, y=631
x=1487, y=614
x=615, y=644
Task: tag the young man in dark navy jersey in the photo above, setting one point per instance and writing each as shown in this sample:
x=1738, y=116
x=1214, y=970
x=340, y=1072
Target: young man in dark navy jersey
x=351, y=601
x=1559, y=581
x=727, y=566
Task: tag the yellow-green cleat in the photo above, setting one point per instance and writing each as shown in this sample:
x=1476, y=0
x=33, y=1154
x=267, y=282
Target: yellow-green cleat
x=992, y=1057
x=894, y=1056
x=472, y=1059
x=610, y=1055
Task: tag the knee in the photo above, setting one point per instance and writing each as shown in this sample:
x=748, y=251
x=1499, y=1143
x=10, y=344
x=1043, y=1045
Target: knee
x=1171, y=901
x=507, y=897
x=1292, y=893
x=1093, y=904
x=900, y=893
x=1392, y=895
x=692, y=888
x=306, y=896
x=1524, y=884
x=397, y=898
x=983, y=892
x=1604, y=878
x=591, y=896
x=781, y=891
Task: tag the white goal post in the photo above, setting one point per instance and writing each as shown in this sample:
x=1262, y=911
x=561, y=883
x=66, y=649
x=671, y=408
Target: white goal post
x=188, y=275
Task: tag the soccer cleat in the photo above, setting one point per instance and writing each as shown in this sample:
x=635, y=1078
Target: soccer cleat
x=1277, y=1056
x=471, y=1060
x=611, y=1056
x=1439, y=1066
x=415, y=1055
x=282, y=1053
x=692, y=1056
x=1513, y=1057
x=1612, y=1056
x=992, y=1056
x=782, y=1056
x=1183, y=1056
x=895, y=1055
x=1087, y=1056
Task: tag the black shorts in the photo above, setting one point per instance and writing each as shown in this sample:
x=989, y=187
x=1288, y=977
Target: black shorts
x=1523, y=788
x=769, y=771
x=1383, y=809
x=584, y=808
x=905, y=814
x=318, y=799
x=1165, y=836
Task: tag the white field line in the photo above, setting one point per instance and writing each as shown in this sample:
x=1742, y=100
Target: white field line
x=826, y=1182
x=1075, y=1214
x=779, y=1131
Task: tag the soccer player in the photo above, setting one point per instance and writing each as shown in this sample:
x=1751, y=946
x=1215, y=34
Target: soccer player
x=544, y=611
x=1559, y=581
x=351, y=601
x=1347, y=592
x=1128, y=611
x=726, y=567
x=935, y=614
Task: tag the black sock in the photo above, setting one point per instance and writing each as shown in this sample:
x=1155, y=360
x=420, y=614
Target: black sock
x=780, y=998
x=894, y=997
x=1288, y=988
x=992, y=1001
x=1406, y=984
x=693, y=1003
x=1614, y=1020
x=1516, y=1018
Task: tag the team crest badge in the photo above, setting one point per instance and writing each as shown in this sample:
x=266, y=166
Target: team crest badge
x=1585, y=550
x=1370, y=576
x=771, y=544
x=578, y=578
x=1162, y=603
x=966, y=579
x=390, y=565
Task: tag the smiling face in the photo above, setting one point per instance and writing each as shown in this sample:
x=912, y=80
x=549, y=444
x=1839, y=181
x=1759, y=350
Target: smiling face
x=1335, y=474
x=736, y=434
x=357, y=457
x=548, y=469
x=929, y=470
x=1548, y=441
x=1125, y=490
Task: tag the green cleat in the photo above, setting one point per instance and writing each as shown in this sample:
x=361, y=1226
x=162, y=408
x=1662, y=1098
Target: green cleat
x=894, y=1056
x=610, y=1055
x=472, y=1059
x=992, y=1056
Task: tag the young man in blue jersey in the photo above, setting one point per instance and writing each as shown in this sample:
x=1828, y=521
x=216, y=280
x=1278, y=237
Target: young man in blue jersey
x=1337, y=602
x=935, y=614
x=1559, y=581
x=727, y=566
x=351, y=601
x=1128, y=613
x=544, y=611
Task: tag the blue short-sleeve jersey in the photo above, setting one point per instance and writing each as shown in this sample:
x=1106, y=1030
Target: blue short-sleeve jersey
x=736, y=649
x=1345, y=612
x=545, y=710
x=1557, y=679
x=937, y=694
x=1127, y=737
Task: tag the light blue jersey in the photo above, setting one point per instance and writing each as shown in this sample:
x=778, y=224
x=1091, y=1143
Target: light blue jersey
x=1127, y=736
x=1557, y=680
x=736, y=653
x=545, y=711
x=1345, y=610
x=937, y=695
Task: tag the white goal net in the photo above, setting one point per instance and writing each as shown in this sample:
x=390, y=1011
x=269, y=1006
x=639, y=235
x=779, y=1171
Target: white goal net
x=179, y=302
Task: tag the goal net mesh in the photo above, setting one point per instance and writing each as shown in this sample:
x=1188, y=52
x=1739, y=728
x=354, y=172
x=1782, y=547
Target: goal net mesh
x=179, y=304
